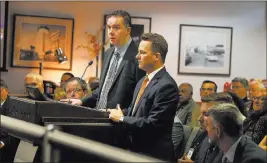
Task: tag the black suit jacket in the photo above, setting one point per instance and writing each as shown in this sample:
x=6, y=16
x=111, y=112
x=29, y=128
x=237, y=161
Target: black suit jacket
x=127, y=76
x=150, y=125
x=249, y=152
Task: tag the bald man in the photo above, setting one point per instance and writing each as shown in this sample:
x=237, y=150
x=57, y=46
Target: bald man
x=186, y=104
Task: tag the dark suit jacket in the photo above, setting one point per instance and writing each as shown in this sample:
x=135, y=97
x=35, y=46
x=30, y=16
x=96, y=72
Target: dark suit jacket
x=249, y=152
x=150, y=126
x=128, y=74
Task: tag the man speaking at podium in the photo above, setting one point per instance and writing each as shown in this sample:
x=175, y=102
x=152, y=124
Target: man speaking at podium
x=150, y=117
x=120, y=72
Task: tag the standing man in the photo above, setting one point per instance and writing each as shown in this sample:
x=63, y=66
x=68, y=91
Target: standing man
x=224, y=127
x=120, y=72
x=150, y=117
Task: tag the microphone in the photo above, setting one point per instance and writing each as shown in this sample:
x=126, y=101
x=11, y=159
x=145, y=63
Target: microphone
x=89, y=64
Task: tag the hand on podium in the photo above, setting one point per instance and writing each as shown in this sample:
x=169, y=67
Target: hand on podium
x=116, y=115
x=72, y=101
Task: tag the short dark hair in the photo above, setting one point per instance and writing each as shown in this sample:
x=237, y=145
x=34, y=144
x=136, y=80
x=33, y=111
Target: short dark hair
x=209, y=81
x=3, y=84
x=82, y=83
x=220, y=97
x=229, y=118
x=125, y=15
x=159, y=44
x=243, y=81
x=69, y=74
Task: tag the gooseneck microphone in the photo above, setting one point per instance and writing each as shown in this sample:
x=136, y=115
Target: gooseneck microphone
x=89, y=64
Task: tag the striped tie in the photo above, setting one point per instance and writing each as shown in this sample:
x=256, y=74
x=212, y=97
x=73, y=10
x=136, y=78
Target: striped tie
x=102, y=103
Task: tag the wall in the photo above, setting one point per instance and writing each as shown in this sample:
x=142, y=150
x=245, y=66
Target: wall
x=248, y=20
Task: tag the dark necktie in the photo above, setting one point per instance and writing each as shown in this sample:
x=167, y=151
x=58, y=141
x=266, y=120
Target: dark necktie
x=141, y=91
x=225, y=160
x=102, y=103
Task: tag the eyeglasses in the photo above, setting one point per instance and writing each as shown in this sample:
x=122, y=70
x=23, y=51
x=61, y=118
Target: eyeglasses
x=206, y=89
x=257, y=98
x=74, y=91
x=31, y=85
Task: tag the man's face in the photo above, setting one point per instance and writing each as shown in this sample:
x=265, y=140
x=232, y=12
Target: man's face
x=4, y=93
x=239, y=90
x=71, y=92
x=64, y=78
x=207, y=88
x=145, y=56
x=35, y=82
x=203, y=113
x=117, y=31
x=257, y=101
x=184, y=93
x=213, y=131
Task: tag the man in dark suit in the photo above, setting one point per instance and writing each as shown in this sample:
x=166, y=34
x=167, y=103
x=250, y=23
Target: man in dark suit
x=150, y=117
x=224, y=126
x=120, y=72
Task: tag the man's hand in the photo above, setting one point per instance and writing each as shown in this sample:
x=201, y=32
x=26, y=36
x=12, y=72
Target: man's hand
x=184, y=159
x=115, y=114
x=2, y=144
x=72, y=101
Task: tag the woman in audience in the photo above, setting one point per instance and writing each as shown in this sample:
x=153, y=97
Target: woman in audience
x=263, y=143
x=255, y=125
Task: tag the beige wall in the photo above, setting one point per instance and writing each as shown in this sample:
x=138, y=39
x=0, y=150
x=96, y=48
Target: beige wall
x=248, y=20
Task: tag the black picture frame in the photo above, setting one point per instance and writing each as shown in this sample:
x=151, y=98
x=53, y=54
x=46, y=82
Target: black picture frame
x=205, y=50
x=3, y=34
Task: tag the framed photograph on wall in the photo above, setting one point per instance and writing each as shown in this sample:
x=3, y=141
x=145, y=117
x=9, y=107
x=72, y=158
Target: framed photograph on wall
x=205, y=50
x=140, y=25
x=36, y=38
x=3, y=34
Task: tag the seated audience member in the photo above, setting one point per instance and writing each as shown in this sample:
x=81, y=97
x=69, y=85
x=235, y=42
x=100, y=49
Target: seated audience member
x=93, y=83
x=255, y=126
x=59, y=91
x=239, y=103
x=201, y=150
x=240, y=88
x=224, y=126
x=177, y=135
x=35, y=80
x=4, y=91
x=263, y=143
x=255, y=86
x=186, y=104
x=207, y=87
x=76, y=88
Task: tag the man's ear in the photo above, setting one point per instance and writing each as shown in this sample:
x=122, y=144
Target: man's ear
x=218, y=131
x=129, y=29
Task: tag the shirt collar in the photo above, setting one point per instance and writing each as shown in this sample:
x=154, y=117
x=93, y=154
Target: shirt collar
x=122, y=50
x=230, y=154
x=152, y=74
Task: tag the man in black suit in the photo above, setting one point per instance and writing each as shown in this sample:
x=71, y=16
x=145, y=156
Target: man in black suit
x=120, y=72
x=224, y=126
x=150, y=117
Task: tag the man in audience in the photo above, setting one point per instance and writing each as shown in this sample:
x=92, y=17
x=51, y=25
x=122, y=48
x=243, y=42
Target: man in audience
x=76, y=88
x=150, y=117
x=207, y=87
x=240, y=88
x=224, y=127
x=93, y=83
x=59, y=91
x=201, y=150
x=186, y=105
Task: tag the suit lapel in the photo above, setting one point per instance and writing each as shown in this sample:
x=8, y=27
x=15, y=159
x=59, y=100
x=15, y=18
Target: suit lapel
x=239, y=150
x=148, y=88
x=105, y=68
x=129, y=52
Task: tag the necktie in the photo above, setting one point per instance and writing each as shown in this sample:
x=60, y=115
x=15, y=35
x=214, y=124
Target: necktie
x=225, y=160
x=141, y=91
x=102, y=103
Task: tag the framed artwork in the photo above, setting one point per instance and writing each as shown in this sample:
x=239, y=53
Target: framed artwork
x=140, y=25
x=3, y=34
x=36, y=38
x=205, y=50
